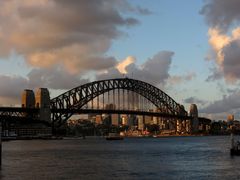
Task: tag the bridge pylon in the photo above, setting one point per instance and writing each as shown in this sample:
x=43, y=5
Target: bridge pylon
x=42, y=99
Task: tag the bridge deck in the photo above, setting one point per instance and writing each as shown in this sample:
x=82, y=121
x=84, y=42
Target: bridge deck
x=17, y=111
x=115, y=111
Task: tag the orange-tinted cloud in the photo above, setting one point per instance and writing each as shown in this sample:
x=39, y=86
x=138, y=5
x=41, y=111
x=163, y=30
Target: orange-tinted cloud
x=74, y=34
x=226, y=49
x=122, y=65
x=154, y=70
x=223, y=18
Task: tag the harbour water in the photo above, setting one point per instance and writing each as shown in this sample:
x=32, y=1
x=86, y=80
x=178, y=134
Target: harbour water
x=204, y=157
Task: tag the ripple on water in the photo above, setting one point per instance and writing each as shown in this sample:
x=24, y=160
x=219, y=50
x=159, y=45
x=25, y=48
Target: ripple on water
x=133, y=158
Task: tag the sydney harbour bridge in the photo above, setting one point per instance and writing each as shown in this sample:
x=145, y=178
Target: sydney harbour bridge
x=111, y=96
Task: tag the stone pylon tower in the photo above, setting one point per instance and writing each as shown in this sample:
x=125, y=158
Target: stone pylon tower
x=42, y=99
x=194, y=122
x=181, y=124
x=28, y=99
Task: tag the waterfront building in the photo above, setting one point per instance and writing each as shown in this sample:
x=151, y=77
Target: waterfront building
x=236, y=125
x=132, y=120
x=179, y=126
x=148, y=119
x=115, y=119
x=188, y=126
x=162, y=123
x=106, y=119
x=98, y=119
x=194, y=122
x=30, y=130
x=92, y=118
x=124, y=119
x=172, y=124
x=159, y=120
x=140, y=122
x=112, y=118
x=155, y=120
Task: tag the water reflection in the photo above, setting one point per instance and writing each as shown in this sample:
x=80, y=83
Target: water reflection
x=133, y=158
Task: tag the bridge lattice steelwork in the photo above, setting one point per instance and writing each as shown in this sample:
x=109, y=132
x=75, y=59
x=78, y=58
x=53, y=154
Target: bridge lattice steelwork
x=76, y=101
x=68, y=103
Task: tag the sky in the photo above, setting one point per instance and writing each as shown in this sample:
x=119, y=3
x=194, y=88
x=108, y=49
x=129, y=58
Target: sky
x=189, y=49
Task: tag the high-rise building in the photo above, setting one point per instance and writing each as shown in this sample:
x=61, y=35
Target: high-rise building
x=155, y=120
x=148, y=119
x=115, y=119
x=194, y=113
x=133, y=121
x=140, y=122
x=98, y=119
x=124, y=119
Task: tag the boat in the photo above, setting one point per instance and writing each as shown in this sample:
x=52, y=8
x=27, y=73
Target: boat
x=235, y=147
x=114, y=136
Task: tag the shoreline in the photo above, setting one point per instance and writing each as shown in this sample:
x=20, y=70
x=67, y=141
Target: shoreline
x=100, y=137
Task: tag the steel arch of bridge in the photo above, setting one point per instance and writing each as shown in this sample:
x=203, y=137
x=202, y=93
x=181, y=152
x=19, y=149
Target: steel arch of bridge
x=77, y=97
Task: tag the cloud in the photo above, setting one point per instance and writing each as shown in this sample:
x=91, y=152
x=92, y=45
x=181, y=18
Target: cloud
x=176, y=79
x=223, y=18
x=11, y=85
x=218, y=41
x=111, y=73
x=217, y=116
x=137, y=9
x=227, y=55
x=231, y=65
x=73, y=34
x=125, y=63
x=194, y=100
x=221, y=13
x=226, y=104
x=154, y=70
x=54, y=78
x=216, y=75
x=11, y=88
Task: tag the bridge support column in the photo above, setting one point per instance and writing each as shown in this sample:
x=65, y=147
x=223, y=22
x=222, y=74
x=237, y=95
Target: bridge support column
x=42, y=100
x=43, y=103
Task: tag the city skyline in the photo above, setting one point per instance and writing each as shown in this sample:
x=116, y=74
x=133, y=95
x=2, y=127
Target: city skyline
x=188, y=49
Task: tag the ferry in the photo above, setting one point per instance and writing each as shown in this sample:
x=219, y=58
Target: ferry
x=235, y=147
x=114, y=136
